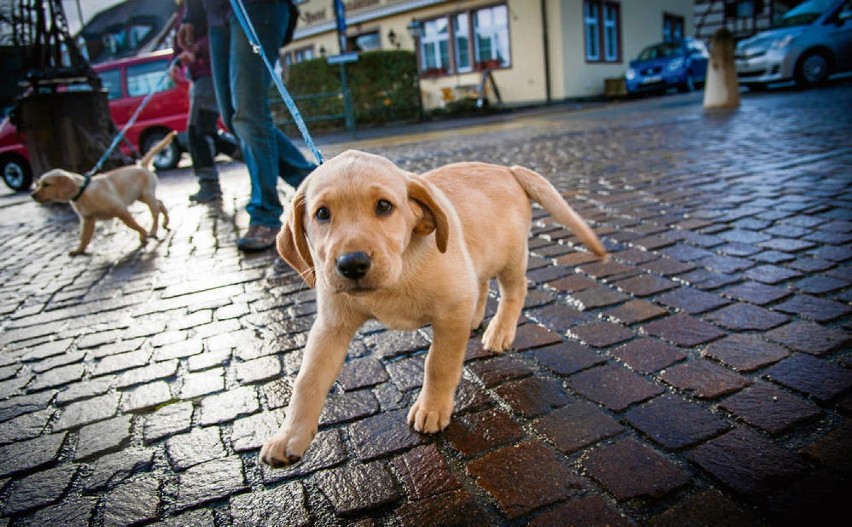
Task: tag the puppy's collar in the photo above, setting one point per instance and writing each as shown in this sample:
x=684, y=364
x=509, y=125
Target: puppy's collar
x=86, y=180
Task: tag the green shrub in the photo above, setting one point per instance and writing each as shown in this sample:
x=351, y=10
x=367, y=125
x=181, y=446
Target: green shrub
x=383, y=85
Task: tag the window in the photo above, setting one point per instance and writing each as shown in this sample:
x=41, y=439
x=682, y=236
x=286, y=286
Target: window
x=672, y=28
x=465, y=41
x=143, y=79
x=111, y=81
x=461, y=42
x=365, y=42
x=602, y=28
x=491, y=28
x=435, y=46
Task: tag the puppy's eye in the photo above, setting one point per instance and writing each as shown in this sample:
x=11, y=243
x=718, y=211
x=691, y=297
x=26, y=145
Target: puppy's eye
x=322, y=214
x=383, y=207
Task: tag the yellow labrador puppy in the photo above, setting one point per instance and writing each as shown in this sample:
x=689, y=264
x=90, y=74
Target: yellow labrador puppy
x=380, y=243
x=107, y=196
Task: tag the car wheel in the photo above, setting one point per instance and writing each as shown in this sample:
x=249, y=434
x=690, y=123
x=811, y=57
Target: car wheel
x=166, y=159
x=16, y=173
x=812, y=69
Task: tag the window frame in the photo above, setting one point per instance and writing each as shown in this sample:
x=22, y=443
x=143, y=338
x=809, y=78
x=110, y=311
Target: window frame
x=596, y=30
x=675, y=20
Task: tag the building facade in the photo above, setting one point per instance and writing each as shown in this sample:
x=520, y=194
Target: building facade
x=536, y=50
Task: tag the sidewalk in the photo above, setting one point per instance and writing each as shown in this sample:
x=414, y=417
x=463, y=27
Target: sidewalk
x=701, y=377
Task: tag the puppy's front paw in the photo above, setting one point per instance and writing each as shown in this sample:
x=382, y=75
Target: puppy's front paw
x=428, y=416
x=76, y=252
x=285, y=448
x=497, y=338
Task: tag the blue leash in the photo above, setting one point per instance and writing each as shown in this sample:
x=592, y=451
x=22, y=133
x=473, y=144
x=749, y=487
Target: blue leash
x=243, y=19
x=129, y=123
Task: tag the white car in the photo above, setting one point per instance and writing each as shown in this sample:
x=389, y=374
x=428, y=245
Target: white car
x=810, y=42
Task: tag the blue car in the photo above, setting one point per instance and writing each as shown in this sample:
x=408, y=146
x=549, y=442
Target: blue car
x=681, y=64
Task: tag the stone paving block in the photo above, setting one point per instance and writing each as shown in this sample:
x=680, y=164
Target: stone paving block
x=283, y=505
x=683, y=330
x=771, y=274
x=675, y=423
x=357, y=488
x=111, y=469
x=704, y=379
x=171, y=419
x=568, y=357
x=647, y=355
x=770, y=408
x=745, y=352
x=645, y=285
x=202, y=383
x=525, y=477
x=348, y=406
x=327, y=450
x=756, y=293
x=577, y=425
x=74, y=512
x=209, y=481
x=601, y=334
x=360, y=373
x=557, y=317
x=407, y=374
x=63, y=359
x=609, y=269
x=391, y=343
x=19, y=405
x=455, y=508
x=229, y=405
x=635, y=311
x=499, y=369
x=821, y=284
x=152, y=372
x=817, y=378
x=810, y=338
x=530, y=336
x=424, y=473
x=814, y=308
x=89, y=411
x=747, y=462
x=571, y=284
x=145, y=396
x=258, y=370
x=383, y=434
x=742, y=317
x=613, y=386
x=692, y=301
x=103, y=437
x=709, y=507
x=593, y=510
x=249, y=433
x=832, y=450
x=473, y=434
x=532, y=396
x=25, y=426
x=198, y=446
x=596, y=297
x=134, y=501
x=38, y=490
x=57, y=377
x=630, y=470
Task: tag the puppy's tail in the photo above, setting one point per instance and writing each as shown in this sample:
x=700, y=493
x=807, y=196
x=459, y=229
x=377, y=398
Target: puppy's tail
x=543, y=192
x=149, y=155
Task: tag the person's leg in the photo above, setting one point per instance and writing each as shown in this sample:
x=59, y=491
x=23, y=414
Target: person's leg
x=219, y=42
x=202, y=124
x=252, y=120
x=292, y=165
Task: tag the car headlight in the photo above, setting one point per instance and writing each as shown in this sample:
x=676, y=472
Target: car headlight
x=782, y=42
x=630, y=74
x=675, y=64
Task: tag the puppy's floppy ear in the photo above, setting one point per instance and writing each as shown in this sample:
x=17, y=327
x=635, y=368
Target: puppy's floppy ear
x=433, y=217
x=292, y=243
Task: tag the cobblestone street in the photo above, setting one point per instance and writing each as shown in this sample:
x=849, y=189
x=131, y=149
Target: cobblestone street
x=701, y=377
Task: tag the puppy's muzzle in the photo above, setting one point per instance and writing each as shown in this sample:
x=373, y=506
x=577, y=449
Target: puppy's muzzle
x=353, y=265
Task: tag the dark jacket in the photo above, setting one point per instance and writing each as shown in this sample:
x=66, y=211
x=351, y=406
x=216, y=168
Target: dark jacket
x=200, y=67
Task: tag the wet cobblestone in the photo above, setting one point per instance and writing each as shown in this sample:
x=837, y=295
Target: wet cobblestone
x=701, y=376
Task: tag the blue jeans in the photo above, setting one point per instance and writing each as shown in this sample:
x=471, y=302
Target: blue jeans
x=242, y=90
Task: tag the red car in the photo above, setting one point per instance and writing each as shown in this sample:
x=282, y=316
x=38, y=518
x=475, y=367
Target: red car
x=127, y=82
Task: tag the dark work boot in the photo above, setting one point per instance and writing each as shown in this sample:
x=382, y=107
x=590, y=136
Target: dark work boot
x=207, y=191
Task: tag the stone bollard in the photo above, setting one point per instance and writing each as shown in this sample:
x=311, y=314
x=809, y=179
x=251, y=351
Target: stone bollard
x=721, y=89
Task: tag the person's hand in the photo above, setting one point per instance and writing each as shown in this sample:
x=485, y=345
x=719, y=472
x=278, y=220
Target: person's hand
x=186, y=57
x=186, y=35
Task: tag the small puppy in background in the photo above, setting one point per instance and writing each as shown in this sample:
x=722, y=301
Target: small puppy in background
x=381, y=243
x=107, y=195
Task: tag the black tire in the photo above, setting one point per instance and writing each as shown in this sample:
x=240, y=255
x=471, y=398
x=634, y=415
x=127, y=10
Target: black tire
x=756, y=87
x=169, y=157
x=17, y=173
x=812, y=69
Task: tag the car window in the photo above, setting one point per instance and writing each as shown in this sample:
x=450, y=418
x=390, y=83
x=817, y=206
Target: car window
x=805, y=13
x=660, y=51
x=144, y=78
x=111, y=79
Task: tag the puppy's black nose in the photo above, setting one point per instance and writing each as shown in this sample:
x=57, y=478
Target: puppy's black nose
x=353, y=265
